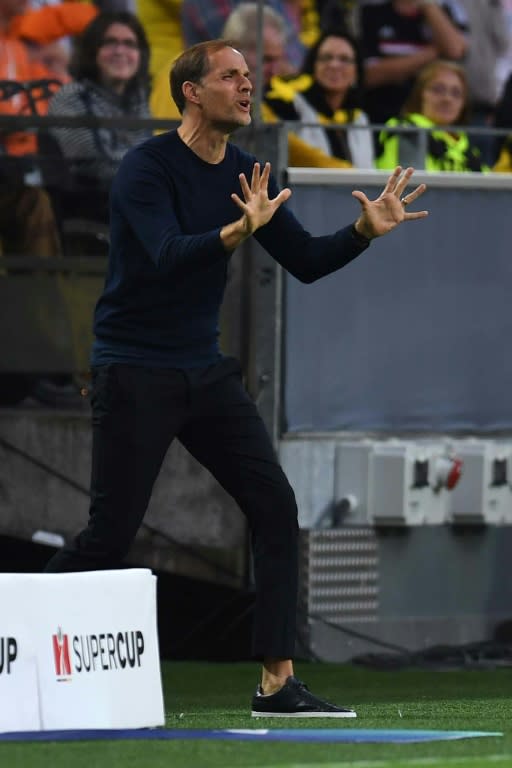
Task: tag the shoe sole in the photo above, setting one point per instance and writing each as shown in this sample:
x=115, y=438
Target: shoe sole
x=303, y=714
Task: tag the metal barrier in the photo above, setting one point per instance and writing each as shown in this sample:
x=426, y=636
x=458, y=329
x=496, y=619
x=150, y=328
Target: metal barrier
x=411, y=336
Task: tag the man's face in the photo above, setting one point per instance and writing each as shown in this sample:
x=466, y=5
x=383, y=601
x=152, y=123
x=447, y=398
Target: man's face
x=224, y=94
x=274, y=57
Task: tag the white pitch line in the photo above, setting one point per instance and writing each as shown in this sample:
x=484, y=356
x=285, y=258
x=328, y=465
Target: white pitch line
x=419, y=761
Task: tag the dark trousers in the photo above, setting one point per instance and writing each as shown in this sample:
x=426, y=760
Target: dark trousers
x=136, y=413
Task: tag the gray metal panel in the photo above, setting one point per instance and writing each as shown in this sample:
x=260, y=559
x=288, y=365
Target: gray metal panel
x=427, y=572
x=309, y=466
x=431, y=586
x=412, y=335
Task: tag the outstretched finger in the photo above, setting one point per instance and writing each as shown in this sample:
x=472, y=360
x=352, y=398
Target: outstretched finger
x=415, y=215
x=410, y=197
x=246, y=190
x=265, y=176
x=403, y=181
x=282, y=197
x=239, y=201
x=360, y=196
x=392, y=181
x=255, y=181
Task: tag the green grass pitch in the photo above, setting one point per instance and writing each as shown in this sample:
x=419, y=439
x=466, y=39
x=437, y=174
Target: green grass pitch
x=203, y=695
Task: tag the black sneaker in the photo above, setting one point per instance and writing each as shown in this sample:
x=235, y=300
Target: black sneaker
x=294, y=700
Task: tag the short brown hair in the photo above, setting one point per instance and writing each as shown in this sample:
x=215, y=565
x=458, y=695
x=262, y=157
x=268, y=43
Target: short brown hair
x=193, y=64
x=423, y=80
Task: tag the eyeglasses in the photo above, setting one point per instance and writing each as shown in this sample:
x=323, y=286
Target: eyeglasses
x=328, y=58
x=443, y=90
x=115, y=42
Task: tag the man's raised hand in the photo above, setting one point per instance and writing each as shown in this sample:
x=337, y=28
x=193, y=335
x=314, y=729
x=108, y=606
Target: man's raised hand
x=389, y=209
x=256, y=206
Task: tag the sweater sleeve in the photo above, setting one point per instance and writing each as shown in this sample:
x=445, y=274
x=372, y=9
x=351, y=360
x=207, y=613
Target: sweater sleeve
x=142, y=196
x=306, y=257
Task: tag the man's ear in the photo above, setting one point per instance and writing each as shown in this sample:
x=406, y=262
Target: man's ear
x=190, y=91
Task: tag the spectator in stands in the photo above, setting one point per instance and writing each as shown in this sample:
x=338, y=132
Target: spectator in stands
x=504, y=63
x=110, y=67
x=488, y=42
x=338, y=14
x=204, y=20
x=21, y=32
x=503, y=111
x=398, y=39
x=161, y=20
x=503, y=119
x=241, y=29
x=439, y=100
x=27, y=223
x=328, y=94
x=56, y=57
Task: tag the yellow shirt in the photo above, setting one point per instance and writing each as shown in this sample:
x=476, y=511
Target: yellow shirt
x=161, y=102
x=161, y=20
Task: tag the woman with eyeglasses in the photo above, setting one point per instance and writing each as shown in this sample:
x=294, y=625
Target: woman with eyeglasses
x=110, y=70
x=437, y=105
x=326, y=100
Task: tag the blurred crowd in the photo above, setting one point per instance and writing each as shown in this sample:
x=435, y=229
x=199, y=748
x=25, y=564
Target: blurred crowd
x=364, y=84
x=424, y=72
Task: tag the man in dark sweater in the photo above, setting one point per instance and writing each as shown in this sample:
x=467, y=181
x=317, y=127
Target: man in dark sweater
x=181, y=203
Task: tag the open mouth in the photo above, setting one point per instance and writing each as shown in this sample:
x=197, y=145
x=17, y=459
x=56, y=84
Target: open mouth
x=245, y=105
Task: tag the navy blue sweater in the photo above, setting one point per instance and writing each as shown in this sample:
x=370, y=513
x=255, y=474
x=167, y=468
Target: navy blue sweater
x=167, y=264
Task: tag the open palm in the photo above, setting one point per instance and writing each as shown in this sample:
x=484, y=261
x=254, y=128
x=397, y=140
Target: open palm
x=387, y=211
x=257, y=207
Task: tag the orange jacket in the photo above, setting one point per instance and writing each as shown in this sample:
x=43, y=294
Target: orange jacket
x=40, y=27
x=44, y=25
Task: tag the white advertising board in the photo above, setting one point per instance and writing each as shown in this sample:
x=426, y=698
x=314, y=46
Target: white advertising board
x=91, y=642
x=19, y=699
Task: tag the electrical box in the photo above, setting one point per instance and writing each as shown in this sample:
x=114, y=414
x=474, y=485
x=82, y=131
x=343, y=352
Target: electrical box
x=352, y=472
x=404, y=489
x=485, y=494
x=393, y=482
